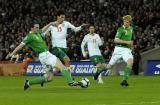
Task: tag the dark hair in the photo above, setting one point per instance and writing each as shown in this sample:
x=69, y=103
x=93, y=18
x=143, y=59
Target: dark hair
x=32, y=24
x=60, y=12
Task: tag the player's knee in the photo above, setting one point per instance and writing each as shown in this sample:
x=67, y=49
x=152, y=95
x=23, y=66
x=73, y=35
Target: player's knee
x=59, y=64
x=48, y=77
x=66, y=59
x=109, y=66
x=98, y=65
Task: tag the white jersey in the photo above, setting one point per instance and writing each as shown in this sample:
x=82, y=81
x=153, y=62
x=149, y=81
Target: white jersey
x=93, y=42
x=59, y=34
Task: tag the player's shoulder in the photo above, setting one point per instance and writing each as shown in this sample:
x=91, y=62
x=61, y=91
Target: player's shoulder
x=86, y=36
x=120, y=28
x=66, y=22
x=131, y=27
x=30, y=33
x=51, y=26
x=96, y=34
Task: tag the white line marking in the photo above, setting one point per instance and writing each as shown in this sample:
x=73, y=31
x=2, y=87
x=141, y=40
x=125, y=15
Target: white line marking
x=142, y=102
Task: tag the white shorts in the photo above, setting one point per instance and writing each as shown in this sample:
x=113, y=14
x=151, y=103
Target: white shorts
x=120, y=53
x=46, y=58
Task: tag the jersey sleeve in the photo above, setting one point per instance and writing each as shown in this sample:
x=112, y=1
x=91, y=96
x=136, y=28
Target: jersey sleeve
x=76, y=29
x=48, y=30
x=27, y=39
x=118, y=34
x=84, y=41
x=99, y=40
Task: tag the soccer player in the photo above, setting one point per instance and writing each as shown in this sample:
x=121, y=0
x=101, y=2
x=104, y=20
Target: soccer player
x=58, y=36
x=34, y=40
x=93, y=42
x=123, y=43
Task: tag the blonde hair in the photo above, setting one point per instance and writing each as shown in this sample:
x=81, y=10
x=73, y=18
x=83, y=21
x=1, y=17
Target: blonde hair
x=127, y=17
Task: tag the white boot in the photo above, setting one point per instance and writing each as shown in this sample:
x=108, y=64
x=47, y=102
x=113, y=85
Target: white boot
x=99, y=80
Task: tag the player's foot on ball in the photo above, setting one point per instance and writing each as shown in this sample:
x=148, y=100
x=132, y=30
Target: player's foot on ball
x=124, y=83
x=74, y=83
x=26, y=85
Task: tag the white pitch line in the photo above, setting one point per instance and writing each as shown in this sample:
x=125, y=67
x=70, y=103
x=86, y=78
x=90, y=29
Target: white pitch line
x=152, y=102
x=126, y=103
x=142, y=102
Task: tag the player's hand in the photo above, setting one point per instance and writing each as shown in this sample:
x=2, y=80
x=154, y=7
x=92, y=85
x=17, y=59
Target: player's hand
x=9, y=55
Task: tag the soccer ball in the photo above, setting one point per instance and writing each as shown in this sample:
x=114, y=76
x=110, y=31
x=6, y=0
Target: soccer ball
x=85, y=82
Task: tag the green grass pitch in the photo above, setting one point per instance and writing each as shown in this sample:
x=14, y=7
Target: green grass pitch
x=143, y=90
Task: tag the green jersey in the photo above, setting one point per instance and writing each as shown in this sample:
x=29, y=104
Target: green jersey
x=36, y=42
x=124, y=34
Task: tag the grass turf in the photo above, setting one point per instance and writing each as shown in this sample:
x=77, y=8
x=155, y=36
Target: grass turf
x=143, y=90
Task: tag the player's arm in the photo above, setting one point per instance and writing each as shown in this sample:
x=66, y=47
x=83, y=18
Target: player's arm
x=84, y=41
x=119, y=40
x=19, y=47
x=47, y=28
x=75, y=29
x=25, y=41
x=99, y=41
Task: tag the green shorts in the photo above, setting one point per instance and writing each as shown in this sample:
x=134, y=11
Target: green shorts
x=97, y=59
x=59, y=52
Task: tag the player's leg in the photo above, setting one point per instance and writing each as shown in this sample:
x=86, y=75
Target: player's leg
x=128, y=58
x=66, y=73
x=55, y=62
x=61, y=54
x=66, y=60
x=100, y=68
x=115, y=57
x=99, y=63
x=64, y=57
x=47, y=77
x=47, y=59
x=51, y=60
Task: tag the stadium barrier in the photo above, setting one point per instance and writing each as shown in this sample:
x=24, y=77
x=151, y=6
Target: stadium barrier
x=152, y=54
x=79, y=68
x=11, y=68
x=153, y=67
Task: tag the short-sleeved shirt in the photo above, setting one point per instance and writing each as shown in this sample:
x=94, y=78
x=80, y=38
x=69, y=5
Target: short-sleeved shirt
x=59, y=33
x=124, y=34
x=36, y=42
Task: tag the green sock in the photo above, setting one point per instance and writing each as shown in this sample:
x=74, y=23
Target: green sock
x=127, y=72
x=38, y=81
x=66, y=73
